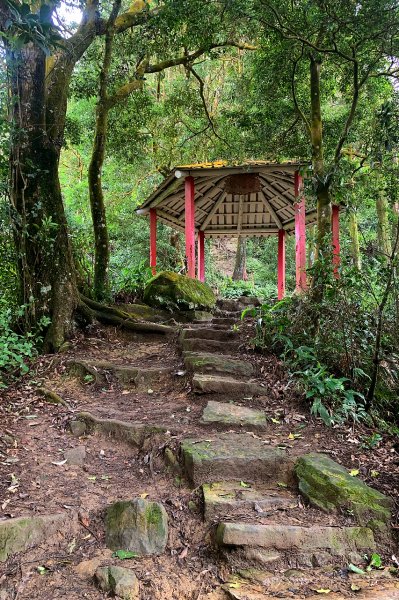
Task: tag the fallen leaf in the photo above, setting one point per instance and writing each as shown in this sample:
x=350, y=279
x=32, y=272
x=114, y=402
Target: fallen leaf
x=244, y=485
x=355, y=569
x=143, y=496
x=124, y=554
x=355, y=588
x=183, y=553
x=59, y=463
x=323, y=591
x=354, y=472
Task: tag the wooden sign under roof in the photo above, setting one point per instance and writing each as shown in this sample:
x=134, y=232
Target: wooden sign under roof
x=253, y=199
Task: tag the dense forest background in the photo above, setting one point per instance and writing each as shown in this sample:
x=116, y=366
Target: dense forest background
x=167, y=83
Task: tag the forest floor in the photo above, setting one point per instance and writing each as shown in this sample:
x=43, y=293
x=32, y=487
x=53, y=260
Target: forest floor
x=36, y=480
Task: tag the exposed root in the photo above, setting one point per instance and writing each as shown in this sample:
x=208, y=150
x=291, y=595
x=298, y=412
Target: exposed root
x=52, y=397
x=109, y=315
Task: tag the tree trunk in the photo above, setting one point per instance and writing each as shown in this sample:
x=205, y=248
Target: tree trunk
x=323, y=245
x=383, y=237
x=354, y=236
x=45, y=266
x=240, y=267
x=98, y=213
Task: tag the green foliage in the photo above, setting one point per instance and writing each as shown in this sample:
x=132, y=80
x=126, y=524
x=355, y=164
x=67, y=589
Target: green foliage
x=16, y=351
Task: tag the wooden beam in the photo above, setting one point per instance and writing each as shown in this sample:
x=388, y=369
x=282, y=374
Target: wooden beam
x=208, y=219
x=269, y=187
x=271, y=210
x=163, y=215
x=244, y=231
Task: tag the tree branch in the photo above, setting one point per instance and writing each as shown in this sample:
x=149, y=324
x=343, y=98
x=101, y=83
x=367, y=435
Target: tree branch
x=294, y=97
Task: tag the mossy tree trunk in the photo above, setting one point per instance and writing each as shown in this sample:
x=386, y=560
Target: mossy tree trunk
x=98, y=212
x=354, y=237
x=383, y=227
x=240, y=266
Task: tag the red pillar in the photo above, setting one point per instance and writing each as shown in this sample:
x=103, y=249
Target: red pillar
x=300, y=234
x=190, y=226
x=335, y=240
x=281, y=265
x=201, y=256
x=153, y=240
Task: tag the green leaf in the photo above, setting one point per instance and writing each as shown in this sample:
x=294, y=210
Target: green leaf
x=375, y=561
x=124, y=554
x=244, y=485
x=356, y=569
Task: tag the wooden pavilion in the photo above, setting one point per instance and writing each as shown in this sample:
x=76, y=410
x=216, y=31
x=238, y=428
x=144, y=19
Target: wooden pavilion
x=217, y=200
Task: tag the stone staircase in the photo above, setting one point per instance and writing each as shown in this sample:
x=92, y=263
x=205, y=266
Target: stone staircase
x=250, y=489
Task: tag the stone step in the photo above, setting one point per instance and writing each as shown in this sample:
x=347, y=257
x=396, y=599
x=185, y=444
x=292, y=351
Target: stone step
x=219, y=384
x=220, y=335
x=228, y=413
x=235, y=457
x=213, y=363
x=225, y=320
x=200, y=345
x=125, y=374
x=321, y=542
x=226, y=499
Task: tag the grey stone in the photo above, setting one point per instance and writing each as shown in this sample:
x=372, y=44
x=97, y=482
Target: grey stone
x=200, y=345
x=208, y=334
x=209, y=363
x=132, y=433
x=232, y=414
x=222, y=384
x=78, y=428
x=76, y=456
x=22, y=533
x=235, y=456
x=230, y=497
x=137, y=525
x=119, y=581
x=337, y=541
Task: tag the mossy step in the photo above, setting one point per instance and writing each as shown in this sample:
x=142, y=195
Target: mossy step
x=134, y=434
x=201, y=362
x=219, y=384
x=235, y=457
x=347, y=543
x=201, y=345
x=227, y=498
x=228, y=413
x=125, y=374
x=329, y=486
x=208, y=334
x=22, y=533
x=227, y=321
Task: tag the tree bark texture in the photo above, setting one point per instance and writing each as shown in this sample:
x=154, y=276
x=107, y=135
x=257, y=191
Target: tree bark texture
x=98, y=212
x=240, y=266
x=354, y=237
x=383, y=227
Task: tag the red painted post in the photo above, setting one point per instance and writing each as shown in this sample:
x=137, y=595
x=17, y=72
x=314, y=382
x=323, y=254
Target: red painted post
x=190, y=226
x=201, y=256
x=335, y=240
x=281, y=265
x=153, y=240
x=300, y=235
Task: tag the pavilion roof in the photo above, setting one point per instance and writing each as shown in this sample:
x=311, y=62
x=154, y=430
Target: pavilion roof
x=252, y=199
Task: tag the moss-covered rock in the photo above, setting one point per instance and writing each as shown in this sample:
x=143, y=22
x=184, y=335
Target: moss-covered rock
x=121, y=582
x=138, y=525
x=328, y=486
x=177, y=292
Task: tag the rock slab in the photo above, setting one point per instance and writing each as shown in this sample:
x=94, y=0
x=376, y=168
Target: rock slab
x=22, y=533
x=200, y=345
x=226, y=498
x=119, y=581
x=220, y=384
x=328, y=486
x=136, y=525
x=336, y=541
x=208, y=363
x=208, y=334
x=75, y=456
x=235, y=456
x=232, y=414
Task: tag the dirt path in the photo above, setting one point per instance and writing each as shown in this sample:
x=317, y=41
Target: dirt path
x=37, y=480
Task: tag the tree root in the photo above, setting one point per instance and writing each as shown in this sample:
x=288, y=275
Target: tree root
x=52, y=397
x=108, y=315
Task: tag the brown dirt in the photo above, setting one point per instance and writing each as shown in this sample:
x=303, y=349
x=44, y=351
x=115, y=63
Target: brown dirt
x=190, y=568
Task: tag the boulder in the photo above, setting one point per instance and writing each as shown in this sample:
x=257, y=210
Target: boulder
x=176, y=292
x=136, y=525
x=78, y=428
x=118, y=581
x=328, y=486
